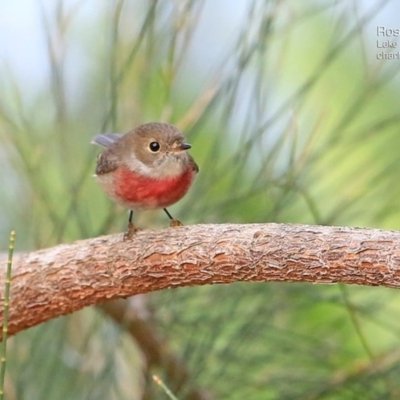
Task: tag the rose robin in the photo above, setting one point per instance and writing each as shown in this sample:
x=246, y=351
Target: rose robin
x=146, y=168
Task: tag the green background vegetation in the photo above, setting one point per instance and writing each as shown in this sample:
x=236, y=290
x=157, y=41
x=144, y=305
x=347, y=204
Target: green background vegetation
x=292, y=119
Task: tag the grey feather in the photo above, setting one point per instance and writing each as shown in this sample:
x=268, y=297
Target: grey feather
x=106, y=139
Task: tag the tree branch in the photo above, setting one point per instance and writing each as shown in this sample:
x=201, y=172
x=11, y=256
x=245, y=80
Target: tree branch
x=60, y=280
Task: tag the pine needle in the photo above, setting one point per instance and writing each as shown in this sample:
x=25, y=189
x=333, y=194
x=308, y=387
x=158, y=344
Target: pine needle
x=5, y=313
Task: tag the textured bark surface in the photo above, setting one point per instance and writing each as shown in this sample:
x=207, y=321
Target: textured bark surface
x=56, y=281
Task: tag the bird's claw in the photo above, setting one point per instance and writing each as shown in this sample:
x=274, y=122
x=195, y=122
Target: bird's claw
x=132, y=229
x=174, y=223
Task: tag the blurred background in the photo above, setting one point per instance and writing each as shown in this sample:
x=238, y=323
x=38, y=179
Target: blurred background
x=292, y=118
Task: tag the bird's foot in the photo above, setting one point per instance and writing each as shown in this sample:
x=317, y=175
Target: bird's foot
x=132, y=229
x=174, y=223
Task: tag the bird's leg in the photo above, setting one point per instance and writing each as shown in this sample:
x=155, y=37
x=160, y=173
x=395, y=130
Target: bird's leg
x=131, y=229
x=174, y=222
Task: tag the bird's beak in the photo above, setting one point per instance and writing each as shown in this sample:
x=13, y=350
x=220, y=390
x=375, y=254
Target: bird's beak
x=178, y=147
x=184, y=146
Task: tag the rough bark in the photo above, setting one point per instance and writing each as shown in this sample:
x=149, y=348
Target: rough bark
x=56, y=281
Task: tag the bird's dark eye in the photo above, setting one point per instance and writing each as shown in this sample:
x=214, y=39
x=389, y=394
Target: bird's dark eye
x=154, y=147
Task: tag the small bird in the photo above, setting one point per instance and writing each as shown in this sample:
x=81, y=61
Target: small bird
x=146, y=168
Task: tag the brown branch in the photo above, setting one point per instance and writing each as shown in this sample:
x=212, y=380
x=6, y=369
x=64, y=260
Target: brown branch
x=56, y=281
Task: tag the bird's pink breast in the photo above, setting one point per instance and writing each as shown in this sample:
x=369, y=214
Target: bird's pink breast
x=137, y=191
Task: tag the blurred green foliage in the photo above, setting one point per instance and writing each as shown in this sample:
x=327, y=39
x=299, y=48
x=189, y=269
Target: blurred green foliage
x=294, y=120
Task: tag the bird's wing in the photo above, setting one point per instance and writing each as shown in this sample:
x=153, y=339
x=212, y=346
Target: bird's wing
x=106, y=139
x=106, y=162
